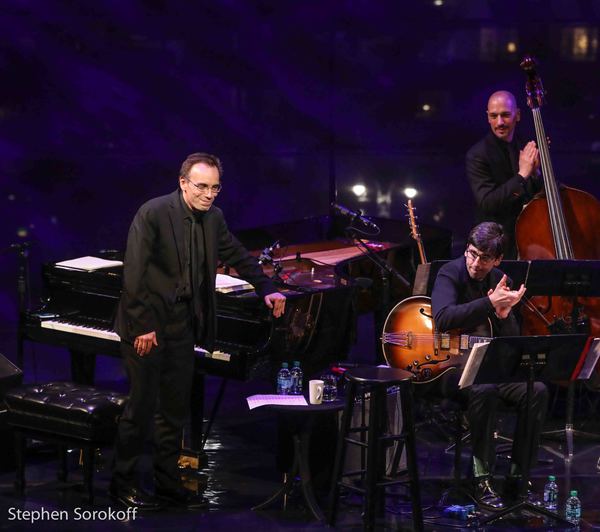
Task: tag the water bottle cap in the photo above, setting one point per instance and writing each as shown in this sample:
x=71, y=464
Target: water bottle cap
x=297, y=363
x=284, y=364
x=573, y=493
x=552, y=478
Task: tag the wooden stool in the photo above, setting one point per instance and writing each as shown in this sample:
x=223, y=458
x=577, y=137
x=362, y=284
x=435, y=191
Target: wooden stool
x=376, y=381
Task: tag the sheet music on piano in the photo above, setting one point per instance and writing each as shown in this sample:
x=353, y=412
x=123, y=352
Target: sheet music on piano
x=227, y=283
x=88, y=263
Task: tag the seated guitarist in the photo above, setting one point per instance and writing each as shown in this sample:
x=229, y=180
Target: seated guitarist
x=471, y=292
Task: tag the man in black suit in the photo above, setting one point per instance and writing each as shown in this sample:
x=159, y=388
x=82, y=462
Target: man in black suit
x=470, y=291
x=502, y=171
x=168, y=304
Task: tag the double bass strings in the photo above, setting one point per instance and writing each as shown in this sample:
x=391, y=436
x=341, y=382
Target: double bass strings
x=562, y=243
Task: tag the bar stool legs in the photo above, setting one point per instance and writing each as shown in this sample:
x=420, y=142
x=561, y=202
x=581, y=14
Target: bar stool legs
x=340, y=454
x=374, y=475
x=406, y=399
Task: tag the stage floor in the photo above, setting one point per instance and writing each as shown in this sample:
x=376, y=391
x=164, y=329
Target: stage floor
x=242, y=472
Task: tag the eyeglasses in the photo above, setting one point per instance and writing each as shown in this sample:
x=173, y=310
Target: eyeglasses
x=203, y=188
x=483, y=258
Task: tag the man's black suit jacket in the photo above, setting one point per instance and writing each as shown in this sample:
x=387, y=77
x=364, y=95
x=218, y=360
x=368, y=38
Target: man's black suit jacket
x=499, y=191
x=154, y=263
x=459, y=302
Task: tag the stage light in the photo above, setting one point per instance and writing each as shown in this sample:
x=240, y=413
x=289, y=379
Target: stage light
x=511, y=47
x=410, y=192
x=426, y=107
x=359, y=190
x=438, y=2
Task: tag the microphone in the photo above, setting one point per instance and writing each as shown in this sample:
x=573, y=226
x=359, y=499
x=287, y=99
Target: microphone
x=355, y=215
x=266, y=257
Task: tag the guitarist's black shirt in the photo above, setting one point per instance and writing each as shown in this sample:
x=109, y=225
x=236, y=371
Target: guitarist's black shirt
x=460, y=302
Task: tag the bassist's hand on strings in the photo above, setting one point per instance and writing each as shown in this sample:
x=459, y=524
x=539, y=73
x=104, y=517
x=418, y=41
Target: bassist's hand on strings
x=503, y=298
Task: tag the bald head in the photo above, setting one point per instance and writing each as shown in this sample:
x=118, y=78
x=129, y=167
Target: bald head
x=503, y=115
x=505, y=97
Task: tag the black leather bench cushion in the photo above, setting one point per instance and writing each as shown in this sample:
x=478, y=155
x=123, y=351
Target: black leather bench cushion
x=66, y=409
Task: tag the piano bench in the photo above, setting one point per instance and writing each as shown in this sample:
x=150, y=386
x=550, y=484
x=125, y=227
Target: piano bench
x=65, y=413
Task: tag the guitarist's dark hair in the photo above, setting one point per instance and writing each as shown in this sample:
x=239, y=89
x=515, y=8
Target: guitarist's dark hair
x=488, y=237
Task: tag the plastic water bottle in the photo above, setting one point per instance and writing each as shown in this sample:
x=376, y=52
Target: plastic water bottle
x=284, y=380
x=573, y=508
x=551, y=494
x=297, y=375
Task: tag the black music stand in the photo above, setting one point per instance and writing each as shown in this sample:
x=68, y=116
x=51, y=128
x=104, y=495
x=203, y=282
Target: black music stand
x=527, y=359
x=567, y=278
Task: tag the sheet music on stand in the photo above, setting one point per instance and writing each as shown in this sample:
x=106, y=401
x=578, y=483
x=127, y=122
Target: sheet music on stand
x=474, y=360
x=549, y=350
x=589, y=364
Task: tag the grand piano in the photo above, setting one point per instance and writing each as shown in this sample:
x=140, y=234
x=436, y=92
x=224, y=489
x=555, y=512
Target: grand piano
x=326, y=278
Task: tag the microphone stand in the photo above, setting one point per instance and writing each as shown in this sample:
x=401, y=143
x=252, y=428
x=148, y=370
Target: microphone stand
x=22, y=249
x=387, y=272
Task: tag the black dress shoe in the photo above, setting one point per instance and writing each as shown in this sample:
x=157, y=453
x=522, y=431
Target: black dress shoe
x=182, y=498
x=134, y=498
x=485, y=495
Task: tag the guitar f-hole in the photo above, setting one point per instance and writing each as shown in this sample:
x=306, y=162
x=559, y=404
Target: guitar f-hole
x=423, y=313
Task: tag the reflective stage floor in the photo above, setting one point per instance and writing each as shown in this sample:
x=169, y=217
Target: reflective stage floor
x=242, y=471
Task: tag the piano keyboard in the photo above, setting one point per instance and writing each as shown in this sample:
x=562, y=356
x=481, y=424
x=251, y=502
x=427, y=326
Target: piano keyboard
x=107, y=334
x=84, y=330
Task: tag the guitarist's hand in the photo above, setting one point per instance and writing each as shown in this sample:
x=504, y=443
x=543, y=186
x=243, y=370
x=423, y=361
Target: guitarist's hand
x=503, y=298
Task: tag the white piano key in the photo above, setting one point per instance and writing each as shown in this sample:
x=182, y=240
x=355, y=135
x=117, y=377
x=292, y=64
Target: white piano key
x=105, y=334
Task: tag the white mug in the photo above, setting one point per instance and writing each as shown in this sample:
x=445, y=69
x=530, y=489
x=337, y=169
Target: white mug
x=315, y=392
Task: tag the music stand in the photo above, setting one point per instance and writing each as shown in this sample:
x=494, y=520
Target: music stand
x=567, y=278
x=527, y=359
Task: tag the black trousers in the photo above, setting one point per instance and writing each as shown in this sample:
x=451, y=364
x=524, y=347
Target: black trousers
x=160, y=388
x=483, y=402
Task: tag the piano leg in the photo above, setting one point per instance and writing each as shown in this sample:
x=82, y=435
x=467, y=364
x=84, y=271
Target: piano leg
x=192, y=454
x=213, y=412
x=83, y=367
x=20, y=344
x=197, y=411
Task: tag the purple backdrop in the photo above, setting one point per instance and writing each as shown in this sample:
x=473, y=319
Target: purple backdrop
x=100, y=102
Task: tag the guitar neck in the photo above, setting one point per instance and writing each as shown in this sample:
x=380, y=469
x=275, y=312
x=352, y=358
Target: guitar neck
x=421, y=251
x=414, y=229
x=472, y=340
x=458, y=343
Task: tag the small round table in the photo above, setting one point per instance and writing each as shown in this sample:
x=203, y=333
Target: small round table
x=300, y=421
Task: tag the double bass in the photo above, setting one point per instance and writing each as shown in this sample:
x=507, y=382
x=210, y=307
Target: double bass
x=562, y=223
